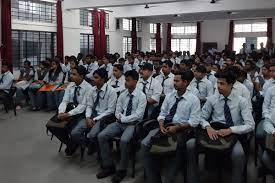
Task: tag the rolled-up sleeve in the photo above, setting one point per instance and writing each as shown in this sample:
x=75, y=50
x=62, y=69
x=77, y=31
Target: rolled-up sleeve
x=206, y=114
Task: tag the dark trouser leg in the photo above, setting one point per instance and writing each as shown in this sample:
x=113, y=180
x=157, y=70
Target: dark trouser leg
x=268, y=160
x=238, y=163
x=192, y=162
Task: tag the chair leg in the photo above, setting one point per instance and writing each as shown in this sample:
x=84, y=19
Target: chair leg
x=60, y=147
x=14, y=107
x=134, y=164
x=256, y=150
x=82, y=151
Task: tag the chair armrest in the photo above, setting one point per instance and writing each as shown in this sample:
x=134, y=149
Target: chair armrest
x=150, y=124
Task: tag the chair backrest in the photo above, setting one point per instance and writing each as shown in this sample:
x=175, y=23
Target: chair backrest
x=12, y=91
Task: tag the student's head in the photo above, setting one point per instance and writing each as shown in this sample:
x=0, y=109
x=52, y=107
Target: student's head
x=146, y=70
x=185, y=65
x=121, y=61
x=67, y=59
x=216, y=67
x=167, y=67
x=229, y=61
x=249, y=65
x=100, y=77
x=242, y=76
x=106, y=59
x=78, y=74
x=131, y=79
x=44, y=65
x=118, y=70
x=55, y=65
x=225, y=81
x=89, y=59
x=79, y=56
x=4, y=68
x=182, y=80
x=266, y=70
x=272, y=70
x=157, y=64
x=200, y=72
x=131, y=59
x=73, y=63
x=27, y=64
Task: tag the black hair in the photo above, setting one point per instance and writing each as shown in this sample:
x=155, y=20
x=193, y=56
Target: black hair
x=228, y=74
x=58, y=70
x=267, y=66
x=27, y=62
x=218, y=66
x=119, y=67
x=102, y=73
x=133, y=74
x=81, y=70
x=67, y=57
x=201, y=68
x=169, y=63
x=121, y=60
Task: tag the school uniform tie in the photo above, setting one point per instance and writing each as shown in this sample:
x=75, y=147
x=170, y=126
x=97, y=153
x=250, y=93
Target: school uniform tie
x=164, y=78
x=144, y=87
x=2, y=78
x=76, y=93
x=227, y=113
x=172, y=112
x=208, y=75
x=96, y=103
x=198, y=84
x=129, y=106
x=116, y=85
x=144, y=91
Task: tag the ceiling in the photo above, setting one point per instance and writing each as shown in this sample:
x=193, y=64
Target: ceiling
x=188, y=10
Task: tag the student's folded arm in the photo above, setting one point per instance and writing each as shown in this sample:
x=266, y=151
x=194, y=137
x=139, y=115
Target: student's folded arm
x=266, y=104
x=78, y=110
x=269, y=126
x=66, y=99
x=164, y=110
x=194, y=119
x=248, y=120
x=206, y=114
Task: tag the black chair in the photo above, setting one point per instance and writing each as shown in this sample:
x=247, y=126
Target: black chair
x=9, y=101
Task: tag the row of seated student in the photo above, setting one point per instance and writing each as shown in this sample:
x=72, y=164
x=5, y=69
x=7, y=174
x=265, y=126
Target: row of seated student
x=195, y=90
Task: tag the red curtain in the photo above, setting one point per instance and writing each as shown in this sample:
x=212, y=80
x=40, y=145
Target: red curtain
x=269, y=31
x=231, y=35
x=134, y=35
x=158, y=39
x=103, y=45
x=6, y=48
x=59, y=32
x=169, y=37
x=198, y=38
x=96, y=33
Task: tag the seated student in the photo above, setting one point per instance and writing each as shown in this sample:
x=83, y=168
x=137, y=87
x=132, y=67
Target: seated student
x=201, y=82
x=166, y=78
x=185, y=65
x=66, y=64
x=263, y=78
x=91, y=65
x=271, y=81
x=117, y=81
x=76, y=93
x=174, y=59
x=150, y=87
x=6, y=80
x=24, y=80
x=36, y=100
x=146, y=60
x=157, y=67
x=130, y=64
x=129, y=109
x=73, y=65
x=107, y=65
x=268, y=158
x=101, y=102
x=180, y=108
x=210, y=74
x=247, y=83
x=230, y=110
x=54, y=77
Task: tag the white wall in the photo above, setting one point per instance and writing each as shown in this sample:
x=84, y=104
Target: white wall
x=215, y=31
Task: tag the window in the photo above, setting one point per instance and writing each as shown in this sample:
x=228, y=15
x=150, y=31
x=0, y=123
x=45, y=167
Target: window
x=107, y=21
x=35, y=11
x=108, y=43
x=184, y=45
x=182, y=29
x=86, y=18
x=127, y=25
x=127, y=45
x=139, y=43
x=251, y=27
x=153, y=44
x=86, y=44
x=153, y=28
x=33, y=46
x=238, y=42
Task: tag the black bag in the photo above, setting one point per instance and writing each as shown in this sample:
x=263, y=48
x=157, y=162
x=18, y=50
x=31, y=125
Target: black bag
x=221, y=144
x=61, y=129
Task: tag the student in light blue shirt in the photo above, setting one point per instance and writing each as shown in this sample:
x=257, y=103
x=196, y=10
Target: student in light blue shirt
x=180, y=108
x=129, y=109
x=6, y=80
x=231, y=110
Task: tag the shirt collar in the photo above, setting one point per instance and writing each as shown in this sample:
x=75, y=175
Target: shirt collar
x=135, y=92
x=230, y=97
x=148, y=80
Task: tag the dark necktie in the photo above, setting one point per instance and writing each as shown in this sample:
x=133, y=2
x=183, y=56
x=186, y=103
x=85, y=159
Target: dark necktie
x=227, y=113
x=129, y=106
x=116, y=85
x=144, y=87
x=132, y=66
x=172, y=112
x=2, y=78
x=198, y=84
x=96, y=103
x=164, y=78
x=76, y=93
x=208, y=75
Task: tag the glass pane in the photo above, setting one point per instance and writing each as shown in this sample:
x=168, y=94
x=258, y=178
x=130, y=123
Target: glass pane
x=261, y=40
x=238, y=42
x=259, y=27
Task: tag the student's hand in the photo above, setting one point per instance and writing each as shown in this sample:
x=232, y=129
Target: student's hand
x=162, y=129
x=171, y=130
x=63, y=116
x=212, y=133
x=90, y=123
x=273, y=134
x=225, y=132
x=119, y=118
